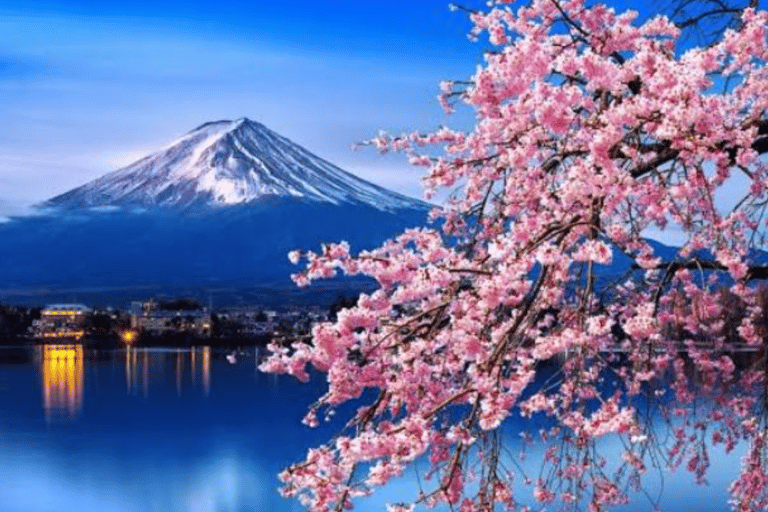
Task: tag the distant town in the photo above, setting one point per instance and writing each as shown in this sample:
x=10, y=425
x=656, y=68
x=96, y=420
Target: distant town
x=160, y=322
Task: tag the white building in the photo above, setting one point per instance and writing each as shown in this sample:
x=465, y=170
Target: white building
x=61, y=321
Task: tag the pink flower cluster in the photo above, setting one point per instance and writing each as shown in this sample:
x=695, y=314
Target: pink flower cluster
x=591, y=130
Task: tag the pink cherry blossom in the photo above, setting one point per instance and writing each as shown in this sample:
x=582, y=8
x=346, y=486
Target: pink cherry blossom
x=591, y=130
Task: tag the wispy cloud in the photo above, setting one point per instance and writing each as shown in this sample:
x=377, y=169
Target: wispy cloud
x=94, y=90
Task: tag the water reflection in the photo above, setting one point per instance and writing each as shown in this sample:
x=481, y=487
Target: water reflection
x=145, y=373
x=63, y=369
x=207, y=370
x=217, y=453
x=142, y=365
x=179, y=370
x=120, y=451
x=62, y=379
x=131, y=377
x=193, y=366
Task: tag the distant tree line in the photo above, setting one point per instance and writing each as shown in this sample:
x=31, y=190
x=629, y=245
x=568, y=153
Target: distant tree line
x=185, y=304
x=15, y=321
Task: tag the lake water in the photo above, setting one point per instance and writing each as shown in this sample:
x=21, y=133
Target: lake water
x=185, y=430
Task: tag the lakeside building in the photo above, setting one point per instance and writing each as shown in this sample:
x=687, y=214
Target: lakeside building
x=249, y=320
x=253, y=321
x=59, y=321
x=153, y=318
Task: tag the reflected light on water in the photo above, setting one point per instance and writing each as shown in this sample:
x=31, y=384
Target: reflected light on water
x=147, y=366
x=145, y=373
x=62, y=379
x=179, y=371
x=128, y=370
x=206, y=366
x=131, y=376
x=193, y=365
x=223, y=454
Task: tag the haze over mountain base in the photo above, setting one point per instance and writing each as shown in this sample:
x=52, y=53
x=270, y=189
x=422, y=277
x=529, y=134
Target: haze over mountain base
x=238, y=247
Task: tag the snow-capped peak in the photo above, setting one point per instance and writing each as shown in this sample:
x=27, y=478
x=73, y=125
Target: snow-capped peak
x=224, y=163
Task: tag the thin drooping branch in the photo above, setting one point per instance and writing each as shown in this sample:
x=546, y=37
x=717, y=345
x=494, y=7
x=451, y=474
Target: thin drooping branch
x=754, y=272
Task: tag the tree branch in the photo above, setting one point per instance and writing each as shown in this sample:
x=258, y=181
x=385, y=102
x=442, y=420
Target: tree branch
x=754, y=271
x=667, y=154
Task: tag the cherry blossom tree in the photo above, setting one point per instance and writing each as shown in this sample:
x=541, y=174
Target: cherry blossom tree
x=591, y=130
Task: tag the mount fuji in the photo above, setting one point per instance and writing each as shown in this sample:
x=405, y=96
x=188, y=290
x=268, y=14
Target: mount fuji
x=218, y=208
x=228, y=163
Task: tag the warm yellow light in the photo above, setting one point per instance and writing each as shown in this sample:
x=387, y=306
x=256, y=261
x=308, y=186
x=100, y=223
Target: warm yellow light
x=128, y=336
x=62, y=379
x=207, y=370
x=63, y=334
x=62, y=313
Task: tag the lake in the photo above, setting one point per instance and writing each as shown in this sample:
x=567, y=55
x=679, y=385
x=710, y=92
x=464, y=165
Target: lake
x=187, y=430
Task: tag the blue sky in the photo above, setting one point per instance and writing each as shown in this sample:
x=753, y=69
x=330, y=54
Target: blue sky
x=87, y=87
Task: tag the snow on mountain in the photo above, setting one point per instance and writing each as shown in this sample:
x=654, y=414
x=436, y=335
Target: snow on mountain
x=226, y=163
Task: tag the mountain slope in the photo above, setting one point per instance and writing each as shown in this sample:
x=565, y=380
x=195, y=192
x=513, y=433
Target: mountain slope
x=224, y=163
